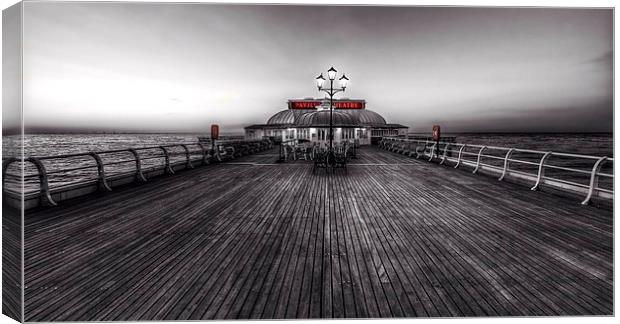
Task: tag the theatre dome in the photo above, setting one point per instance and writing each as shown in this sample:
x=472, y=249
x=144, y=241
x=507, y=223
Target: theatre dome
x=320, y=118
x=286, y=117
x=369, y=118
x=308, y=119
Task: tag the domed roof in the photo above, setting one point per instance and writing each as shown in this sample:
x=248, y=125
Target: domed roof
x=321, y=118
x=318, y=118
x=369, y=117
x=287, y=116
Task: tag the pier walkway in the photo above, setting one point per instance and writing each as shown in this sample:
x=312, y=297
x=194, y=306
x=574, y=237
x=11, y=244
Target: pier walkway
x=396, y=237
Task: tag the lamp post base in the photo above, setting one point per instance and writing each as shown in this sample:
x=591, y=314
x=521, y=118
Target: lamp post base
x=331, y=158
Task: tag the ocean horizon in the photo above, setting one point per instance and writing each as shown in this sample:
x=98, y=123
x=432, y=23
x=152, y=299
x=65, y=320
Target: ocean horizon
x=594, y=144
x=44, y=144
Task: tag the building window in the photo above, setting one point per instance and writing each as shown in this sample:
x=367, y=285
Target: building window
x=322, y=135
x=347, y=133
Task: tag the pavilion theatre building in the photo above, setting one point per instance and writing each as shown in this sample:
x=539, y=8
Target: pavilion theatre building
x=308, y=119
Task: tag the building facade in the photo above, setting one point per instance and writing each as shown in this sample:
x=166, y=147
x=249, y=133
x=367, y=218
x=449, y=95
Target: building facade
x=308, y=119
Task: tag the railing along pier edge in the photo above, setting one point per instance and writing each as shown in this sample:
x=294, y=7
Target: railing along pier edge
x=429, y=148
x=219, y=151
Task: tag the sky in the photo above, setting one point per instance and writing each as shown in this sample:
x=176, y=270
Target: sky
x=155, y=67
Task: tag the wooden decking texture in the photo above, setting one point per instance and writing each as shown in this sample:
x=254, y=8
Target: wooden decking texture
x=12, y=263
x=396, y=237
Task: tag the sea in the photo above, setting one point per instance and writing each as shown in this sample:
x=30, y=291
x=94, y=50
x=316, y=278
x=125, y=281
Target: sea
x=593, y=144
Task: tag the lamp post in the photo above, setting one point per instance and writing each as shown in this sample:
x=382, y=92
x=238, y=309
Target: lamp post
x=331, y=91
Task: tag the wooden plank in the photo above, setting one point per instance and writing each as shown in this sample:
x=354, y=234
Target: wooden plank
x=395, y=237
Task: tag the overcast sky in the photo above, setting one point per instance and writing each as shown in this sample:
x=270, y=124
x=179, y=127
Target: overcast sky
x=180, y=67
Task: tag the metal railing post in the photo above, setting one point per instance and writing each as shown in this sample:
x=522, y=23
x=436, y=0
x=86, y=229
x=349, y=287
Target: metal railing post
x=188, y=161
x=541, y=170
x=103, y=183
x=205, y=160
x=478, y=160
x=215, y=147
x=5, y=166
x=506, y=164
x=46, y=196
x=458, y=160
x=594, y=179
x=217, y=153
x=445, y=153
x=417, y=151
x=412, y=151
x=432, y=152
x=139, y=175
x=167, y=168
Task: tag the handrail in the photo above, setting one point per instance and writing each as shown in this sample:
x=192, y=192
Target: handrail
x=204, y=159
x=188, y=161
x=479, y=158
x=445, y=154
x=506, y=164
x=594, y=179
x=505, y=170
x=460, y=155
x=103, y=183
x=139, y=175
x=44, y=185
x=167, y=168
x=541, y=170
x=5, y=165
x=240, y=146
x=432, y=152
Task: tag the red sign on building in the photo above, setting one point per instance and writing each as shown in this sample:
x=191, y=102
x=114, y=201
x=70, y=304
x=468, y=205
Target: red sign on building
x=304, y=104
x=339, y=104
x=349, y=105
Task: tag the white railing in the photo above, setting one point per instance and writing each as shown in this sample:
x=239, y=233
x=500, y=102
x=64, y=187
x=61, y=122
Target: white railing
x=181, y=155
x=480, y=157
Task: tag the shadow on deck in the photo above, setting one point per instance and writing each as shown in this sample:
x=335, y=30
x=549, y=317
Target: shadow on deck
x=396, y=237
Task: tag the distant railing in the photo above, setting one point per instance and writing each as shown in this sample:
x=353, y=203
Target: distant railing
x=294, y=149
x=422, y=137
x=223, y=138
x=523, y=164
x=73, y=166
x=287, y=149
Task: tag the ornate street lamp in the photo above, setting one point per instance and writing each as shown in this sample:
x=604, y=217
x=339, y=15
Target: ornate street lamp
x=331, y=91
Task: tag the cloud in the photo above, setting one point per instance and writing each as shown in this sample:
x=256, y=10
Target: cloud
x=180, y=67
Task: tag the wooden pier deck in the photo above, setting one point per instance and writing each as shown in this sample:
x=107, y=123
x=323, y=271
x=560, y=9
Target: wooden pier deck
x=396, y=237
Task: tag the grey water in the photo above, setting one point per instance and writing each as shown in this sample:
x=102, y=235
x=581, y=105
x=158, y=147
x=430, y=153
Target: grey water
x=594, y=144
x=597, y=144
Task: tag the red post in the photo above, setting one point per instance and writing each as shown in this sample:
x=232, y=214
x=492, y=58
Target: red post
x=215, y=131
x=215, y=134
x=436, y=135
